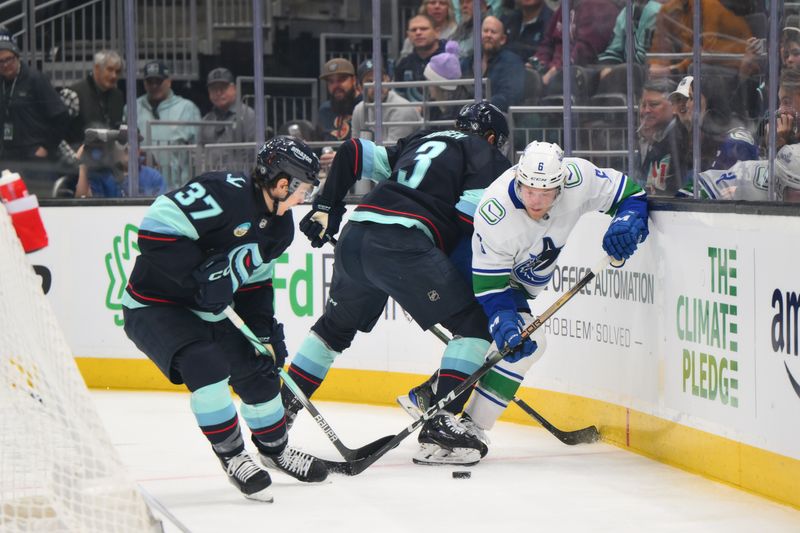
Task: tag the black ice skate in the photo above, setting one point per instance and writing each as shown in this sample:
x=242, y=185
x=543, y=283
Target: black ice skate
x=247, y=476
x=291, y=406
x=419, y=399
x=302, y=466
x=444, y=439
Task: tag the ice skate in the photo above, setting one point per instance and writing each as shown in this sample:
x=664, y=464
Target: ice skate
x=300, y=465
x=418, y=399
x=291, y=406
x=248, y=477
x=444, y=439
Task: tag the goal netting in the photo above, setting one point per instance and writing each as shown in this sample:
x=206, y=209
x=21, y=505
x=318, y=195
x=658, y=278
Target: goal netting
x=58, y=468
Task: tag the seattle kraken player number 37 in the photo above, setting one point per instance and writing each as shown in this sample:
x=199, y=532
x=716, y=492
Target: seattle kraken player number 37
x=204, y=246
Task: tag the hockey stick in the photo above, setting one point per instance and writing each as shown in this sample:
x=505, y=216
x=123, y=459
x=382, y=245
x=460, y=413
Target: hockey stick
x=579, y=436
x=349, y=454
x=353, y=468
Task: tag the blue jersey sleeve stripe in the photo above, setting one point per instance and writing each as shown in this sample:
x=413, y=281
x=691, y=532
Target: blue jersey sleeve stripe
x=169, y=219
x=499, y=271
x=468, y=203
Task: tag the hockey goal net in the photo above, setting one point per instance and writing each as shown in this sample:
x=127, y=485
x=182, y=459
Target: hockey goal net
x=58, y=469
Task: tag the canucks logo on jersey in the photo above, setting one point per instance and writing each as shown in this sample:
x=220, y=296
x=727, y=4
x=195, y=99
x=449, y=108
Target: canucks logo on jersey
x=526, y=271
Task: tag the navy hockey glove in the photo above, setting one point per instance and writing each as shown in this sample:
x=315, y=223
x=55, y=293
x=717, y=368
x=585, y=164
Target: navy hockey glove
x=506, y=329
x=276, y=345
x=322, y=223
x=214, y=285
x=624, y=234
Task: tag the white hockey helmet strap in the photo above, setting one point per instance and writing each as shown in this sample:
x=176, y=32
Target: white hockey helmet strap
x=541, y=166
x=787, y=168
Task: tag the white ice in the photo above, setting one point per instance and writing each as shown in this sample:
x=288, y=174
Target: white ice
x=529, y=481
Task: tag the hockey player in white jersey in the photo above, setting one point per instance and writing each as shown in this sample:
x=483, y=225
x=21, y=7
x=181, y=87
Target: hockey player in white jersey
x=522, y=222
x=749, y=180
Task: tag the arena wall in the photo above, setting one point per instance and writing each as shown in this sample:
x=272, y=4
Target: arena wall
x=688, y=354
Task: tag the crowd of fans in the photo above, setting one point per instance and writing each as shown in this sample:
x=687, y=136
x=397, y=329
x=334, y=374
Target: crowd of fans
x=522, y=58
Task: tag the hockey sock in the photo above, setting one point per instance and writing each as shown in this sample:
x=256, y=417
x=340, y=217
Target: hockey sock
x=213, y=408
x=267, y=425
x=462, y=357
x=311, y=364
x=498, y=387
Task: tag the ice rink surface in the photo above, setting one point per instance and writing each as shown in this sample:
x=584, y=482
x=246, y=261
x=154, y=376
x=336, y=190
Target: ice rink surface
x=530, y=481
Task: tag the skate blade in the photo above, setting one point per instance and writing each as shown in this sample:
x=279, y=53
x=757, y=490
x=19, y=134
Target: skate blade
x=263, y=496
x=409, y=407
x=433, y=455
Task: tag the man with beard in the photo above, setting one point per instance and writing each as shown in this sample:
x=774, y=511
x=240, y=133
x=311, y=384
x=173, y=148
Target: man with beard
x=336, y=113
x=503, y=67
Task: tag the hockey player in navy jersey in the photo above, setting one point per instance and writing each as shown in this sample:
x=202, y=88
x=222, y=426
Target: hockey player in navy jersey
x=397, y=243
x=521, y=224
x=204, y=246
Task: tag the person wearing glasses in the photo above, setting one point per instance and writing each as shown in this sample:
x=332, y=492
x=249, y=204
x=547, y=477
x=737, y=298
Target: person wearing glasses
x=160, y=103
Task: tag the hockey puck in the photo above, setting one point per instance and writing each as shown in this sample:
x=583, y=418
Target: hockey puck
x=461, y=474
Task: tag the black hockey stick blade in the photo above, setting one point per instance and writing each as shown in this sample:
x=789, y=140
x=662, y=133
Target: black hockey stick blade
x=348, y=454
x=586, y=435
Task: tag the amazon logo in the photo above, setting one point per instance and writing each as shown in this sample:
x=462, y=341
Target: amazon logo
x=784, y=331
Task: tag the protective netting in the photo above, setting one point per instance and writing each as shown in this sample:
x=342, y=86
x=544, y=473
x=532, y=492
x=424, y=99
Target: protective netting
x=58, y=469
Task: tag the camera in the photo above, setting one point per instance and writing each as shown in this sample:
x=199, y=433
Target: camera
x=99, y=146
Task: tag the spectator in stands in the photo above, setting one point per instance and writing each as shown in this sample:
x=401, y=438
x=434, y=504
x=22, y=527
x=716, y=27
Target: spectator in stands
x=525, y=27
x=718, y=123
x=501, y=66
x=227, y=108
x=336, y=113
x=786, y=128
x=445, y=67
x=723, y=32
x=100, y=101
x=96, y=178
x=34, y=118
x=463, y=33
x=663, y=147
x=443, y=17
x=362, y=114
x=591, y=31
x=613, y=71
x=752, y=88
x=160, y=103
x=426, y=43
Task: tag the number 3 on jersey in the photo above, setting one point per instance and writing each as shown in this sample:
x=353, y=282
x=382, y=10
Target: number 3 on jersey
x=425, y=154
x=194, y=192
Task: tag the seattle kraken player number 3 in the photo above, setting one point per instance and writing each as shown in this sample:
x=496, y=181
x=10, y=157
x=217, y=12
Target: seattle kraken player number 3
x=204, y=246
x=399, y=243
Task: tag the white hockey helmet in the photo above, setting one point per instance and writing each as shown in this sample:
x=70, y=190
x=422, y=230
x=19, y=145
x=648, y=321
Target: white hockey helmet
x=541, y=166
x=787, y=169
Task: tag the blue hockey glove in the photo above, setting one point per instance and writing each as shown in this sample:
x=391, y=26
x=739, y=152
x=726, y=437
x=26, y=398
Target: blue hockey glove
x=624, y=234
x=214, y=285
x=275, y=343
x=322, y=223
x=506, y=329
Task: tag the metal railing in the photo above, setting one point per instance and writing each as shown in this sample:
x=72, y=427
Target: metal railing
x=238, y=15
x=282, y=106
x=62, y=43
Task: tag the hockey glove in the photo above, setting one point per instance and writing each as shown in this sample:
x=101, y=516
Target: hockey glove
x=276, y=345
x=506, y=329
x=624, y=234
x=214, y=285
x=322, y=223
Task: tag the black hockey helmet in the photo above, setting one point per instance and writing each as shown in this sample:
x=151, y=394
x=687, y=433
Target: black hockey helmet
x=482, y=118
x=286, y=157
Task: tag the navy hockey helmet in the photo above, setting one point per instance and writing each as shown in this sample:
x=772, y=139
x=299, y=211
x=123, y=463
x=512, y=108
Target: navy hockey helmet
x=286, y=157
x=482, y=118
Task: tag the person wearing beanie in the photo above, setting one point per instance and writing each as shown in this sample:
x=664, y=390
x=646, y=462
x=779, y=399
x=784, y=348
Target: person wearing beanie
x=393, y=111
x=445, y=67
x=503, y=67
x=34, y=116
